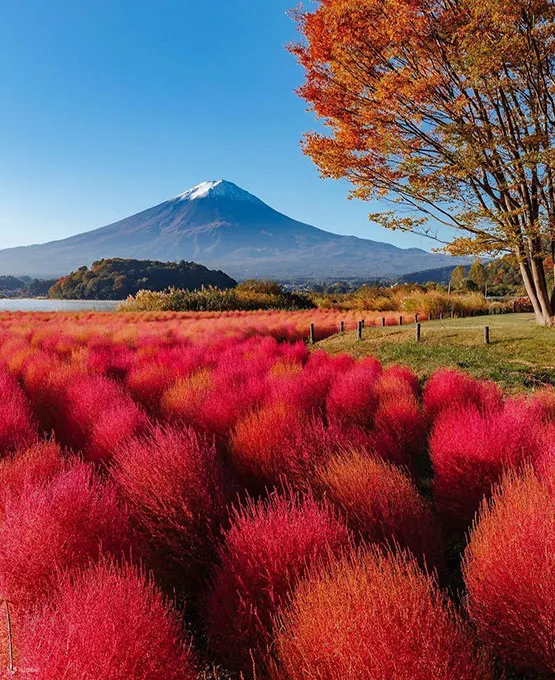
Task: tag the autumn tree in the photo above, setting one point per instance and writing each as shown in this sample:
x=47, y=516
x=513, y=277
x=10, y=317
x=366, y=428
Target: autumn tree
x=446, y=107
x=458, y=276
x=477, y=274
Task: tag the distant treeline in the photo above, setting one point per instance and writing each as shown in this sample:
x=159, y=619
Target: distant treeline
x=24, y=286
x=249, y=295
x=117, y=279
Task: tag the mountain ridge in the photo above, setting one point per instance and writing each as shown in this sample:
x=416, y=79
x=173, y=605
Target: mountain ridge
x=222, y=226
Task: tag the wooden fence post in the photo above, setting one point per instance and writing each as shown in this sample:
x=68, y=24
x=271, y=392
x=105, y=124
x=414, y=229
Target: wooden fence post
x=400, y=321
x=311, y=334
x=342, y=327
x=417, y=332
x=416, y=318
x=383, y=321
x=359, y=330
x=486, y=335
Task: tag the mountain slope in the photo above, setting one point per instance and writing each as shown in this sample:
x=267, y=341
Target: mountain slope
x=224, y=227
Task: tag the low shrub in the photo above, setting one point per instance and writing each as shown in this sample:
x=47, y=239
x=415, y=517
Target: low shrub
x=30, y=467
x=212, y=299
x=17, y=428
x=61, y=525
x=470, y=450
x=106, y=622
x=176, y=486
x=382, y=505
x=277, y=441
x=352, y=399
x=268, y=546
x=509, y=571
x=374, y=615
x=447, y=389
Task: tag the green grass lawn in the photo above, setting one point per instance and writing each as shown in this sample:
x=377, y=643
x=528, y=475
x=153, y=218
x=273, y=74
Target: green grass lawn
x=520, y=356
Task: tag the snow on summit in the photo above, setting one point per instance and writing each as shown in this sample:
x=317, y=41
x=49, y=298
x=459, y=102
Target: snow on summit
x=220, y=188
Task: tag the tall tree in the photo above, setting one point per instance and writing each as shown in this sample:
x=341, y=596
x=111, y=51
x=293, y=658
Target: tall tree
x=458, y=277
x=446, y=107
x=477, y=274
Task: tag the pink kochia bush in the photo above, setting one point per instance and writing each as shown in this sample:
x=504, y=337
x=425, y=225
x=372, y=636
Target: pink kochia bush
x=374, y=615
x=56, y=526
x=177, y=489
x=98, y=417
x=400, y=427
x=278, y=441
x=267, y=548
x=352, y=399
x=470, y=450
x=30, y=467
x=106, y=622
x=17, y=428
x=509, y=571
x=448, y=389
x=382, y=505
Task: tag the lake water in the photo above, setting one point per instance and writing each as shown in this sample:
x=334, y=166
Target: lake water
x=31, y=305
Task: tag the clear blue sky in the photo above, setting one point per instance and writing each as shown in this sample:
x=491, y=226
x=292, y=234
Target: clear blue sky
x=111, y=106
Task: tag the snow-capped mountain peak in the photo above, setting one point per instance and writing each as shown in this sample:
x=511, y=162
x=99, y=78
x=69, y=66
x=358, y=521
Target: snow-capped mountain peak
x=216, y=188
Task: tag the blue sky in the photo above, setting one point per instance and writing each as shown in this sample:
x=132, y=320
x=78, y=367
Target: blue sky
x=111, y=106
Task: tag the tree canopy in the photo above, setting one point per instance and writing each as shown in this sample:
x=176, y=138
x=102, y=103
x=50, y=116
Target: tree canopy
x=115, y=279
x=447, y=108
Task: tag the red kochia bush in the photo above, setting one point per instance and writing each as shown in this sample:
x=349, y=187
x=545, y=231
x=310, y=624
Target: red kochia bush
x=470, y=450
x=30, y=467
x=268, y=546
x=177, y=489
x=53, y=527
x=98, y=417
x=448, y=389
x=382, y=505
x=400, y=427
x=277, y=440
x=352, y=399
x=509, y=570
x=374, y=615
x=110, y=623
x=17, y=428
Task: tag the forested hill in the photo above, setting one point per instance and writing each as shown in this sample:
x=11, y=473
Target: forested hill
x=115, y=279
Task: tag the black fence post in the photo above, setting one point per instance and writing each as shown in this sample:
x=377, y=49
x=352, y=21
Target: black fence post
x=417, y=334
x=486, y=335
x=359, y=330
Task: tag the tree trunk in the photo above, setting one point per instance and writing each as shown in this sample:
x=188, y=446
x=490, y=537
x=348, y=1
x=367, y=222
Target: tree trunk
x=533, y=277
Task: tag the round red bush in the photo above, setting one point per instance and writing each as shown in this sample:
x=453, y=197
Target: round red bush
x=352, y=399
x=447, y=389
x=275, y=442
x=106, y=622
x=30, y=467
x=267, y=548
x=58, y=526
x=471, y=449
x=374, y=615
x=176, y=486
x=382, y=505
x=509, y=571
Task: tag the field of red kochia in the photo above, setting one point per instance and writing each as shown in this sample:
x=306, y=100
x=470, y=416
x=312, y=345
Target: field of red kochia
x=201, y=496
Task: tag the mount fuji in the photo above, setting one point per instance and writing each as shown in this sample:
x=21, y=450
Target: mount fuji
x=222, y=226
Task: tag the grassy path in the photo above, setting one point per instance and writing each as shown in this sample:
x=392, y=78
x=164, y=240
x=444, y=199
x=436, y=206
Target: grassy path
x=520, y=356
